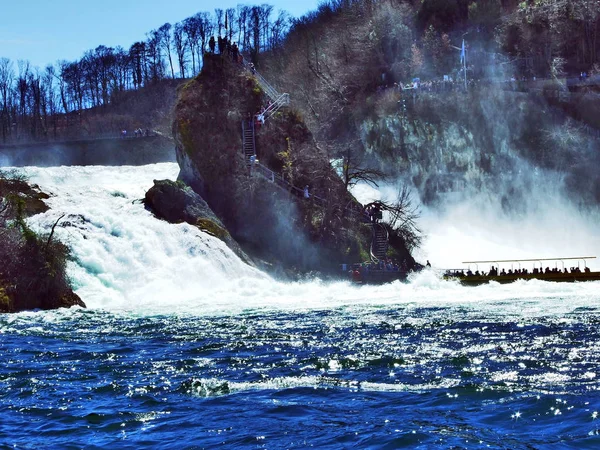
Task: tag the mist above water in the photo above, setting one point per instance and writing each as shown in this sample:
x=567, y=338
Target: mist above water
x=527, y=216
x=476, y=231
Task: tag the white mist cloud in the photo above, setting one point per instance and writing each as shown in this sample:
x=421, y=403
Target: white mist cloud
x=525, y=216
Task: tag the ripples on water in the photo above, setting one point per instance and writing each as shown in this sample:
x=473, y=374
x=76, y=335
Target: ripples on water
x=354, y=376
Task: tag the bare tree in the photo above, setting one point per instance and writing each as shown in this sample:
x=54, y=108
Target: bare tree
x=190, y=28
x=219, y=16
x=255, y=29
x=154, y=60
x=279, y=29
x=52, y=101
x=243, y=13
x=179, y=46
x=353, y=170
x=164, y=35
x=230, y=20
x=137, y=55
x=265, y=15
x=402, y=216
x=62, y=70
x=6, y=80
x=205, y=30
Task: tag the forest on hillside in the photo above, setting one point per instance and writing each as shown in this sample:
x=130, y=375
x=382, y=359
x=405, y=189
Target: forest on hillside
x=351, y=46
x=342, y=62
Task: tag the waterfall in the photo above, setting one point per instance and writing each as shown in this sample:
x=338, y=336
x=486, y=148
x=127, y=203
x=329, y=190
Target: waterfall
x=123, y=255
x=126, y=260
x=477, y=226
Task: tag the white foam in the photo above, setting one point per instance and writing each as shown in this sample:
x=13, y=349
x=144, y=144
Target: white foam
x=127, y=260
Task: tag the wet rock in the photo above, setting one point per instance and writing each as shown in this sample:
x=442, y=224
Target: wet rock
x=176, y=202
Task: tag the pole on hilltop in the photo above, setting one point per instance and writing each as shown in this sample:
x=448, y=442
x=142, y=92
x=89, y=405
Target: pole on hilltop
x=465, y=63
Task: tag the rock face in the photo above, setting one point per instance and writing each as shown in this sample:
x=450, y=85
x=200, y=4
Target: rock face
x=13, y=300
x=175, y=202
x=484, y=140
x=269, y=220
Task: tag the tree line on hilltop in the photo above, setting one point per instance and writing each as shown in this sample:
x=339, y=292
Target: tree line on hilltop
x=349, y=46
x=31, y=99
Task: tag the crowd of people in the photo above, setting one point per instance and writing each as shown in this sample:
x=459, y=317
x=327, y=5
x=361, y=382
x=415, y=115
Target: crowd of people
x=452, y=84
x=373, y=212
x=138, y=132
x=447, y=84
x=495, y=273
x=225, y=47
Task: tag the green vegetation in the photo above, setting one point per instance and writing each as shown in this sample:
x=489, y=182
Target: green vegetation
x=33, y=273
x=5, y=302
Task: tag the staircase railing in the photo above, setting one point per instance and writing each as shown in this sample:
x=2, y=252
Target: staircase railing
x=249, y=148
x=278, y=179
x=375, y=241
x=258, y=169
x=282, y=100
x=277, y=102
x=271, y=92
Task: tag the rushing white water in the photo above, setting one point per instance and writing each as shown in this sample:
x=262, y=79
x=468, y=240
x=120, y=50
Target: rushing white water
x=127, y=260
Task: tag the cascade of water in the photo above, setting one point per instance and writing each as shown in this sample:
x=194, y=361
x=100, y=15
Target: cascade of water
x=123, y=254
x=127, y=260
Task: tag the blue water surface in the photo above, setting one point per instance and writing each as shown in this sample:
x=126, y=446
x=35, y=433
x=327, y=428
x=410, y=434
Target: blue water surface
x=368, y=377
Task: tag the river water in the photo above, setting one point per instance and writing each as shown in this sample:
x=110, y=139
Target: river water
x=183, y=346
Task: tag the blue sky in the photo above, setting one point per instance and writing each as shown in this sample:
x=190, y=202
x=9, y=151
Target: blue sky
x=44, y=31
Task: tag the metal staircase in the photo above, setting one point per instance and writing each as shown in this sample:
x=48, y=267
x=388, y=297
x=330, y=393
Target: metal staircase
x=282, y=100
x=380, y=242
x=248, y=140
x=277, y=100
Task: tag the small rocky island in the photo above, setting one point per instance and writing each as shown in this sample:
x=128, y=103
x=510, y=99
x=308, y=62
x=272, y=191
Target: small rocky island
x=263, y=183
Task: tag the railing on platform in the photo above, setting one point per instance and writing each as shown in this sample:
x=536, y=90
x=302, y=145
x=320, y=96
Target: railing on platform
x=274, y=177
x=351, y=209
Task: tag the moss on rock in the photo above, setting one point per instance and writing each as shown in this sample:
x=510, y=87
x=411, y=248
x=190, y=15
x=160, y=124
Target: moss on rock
x=176, y=202
x=212, y=228
x=5, y=301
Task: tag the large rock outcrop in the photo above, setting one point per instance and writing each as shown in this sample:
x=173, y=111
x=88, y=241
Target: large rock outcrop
x=267, y=219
